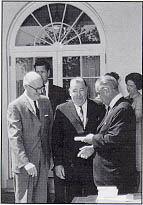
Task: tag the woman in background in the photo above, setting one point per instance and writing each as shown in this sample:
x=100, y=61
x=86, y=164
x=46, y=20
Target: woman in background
x=134, y=84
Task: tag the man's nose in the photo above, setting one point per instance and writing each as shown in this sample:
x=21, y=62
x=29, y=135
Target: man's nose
x=78, y=93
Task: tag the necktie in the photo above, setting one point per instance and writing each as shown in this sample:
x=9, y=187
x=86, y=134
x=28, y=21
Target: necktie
x=44, y=91
x=37, y=110
x=107, y=110
x=81, y=115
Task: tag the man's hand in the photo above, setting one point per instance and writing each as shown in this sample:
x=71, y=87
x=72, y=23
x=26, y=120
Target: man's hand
x=86, y=152
x=31, y=169
x=60, y=172
x=88, y=138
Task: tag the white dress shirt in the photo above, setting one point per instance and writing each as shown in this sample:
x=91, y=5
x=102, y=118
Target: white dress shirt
x=47, y=88
x=114, y=100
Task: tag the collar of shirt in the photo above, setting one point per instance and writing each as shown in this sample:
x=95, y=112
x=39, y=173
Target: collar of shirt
x=114, y=100
x=47, y=88
x=31, y=102
x=84, y=108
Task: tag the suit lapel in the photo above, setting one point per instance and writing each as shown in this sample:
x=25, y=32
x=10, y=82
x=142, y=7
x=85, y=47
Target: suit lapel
x=73, y=110
x=73, y=113
x=107, y=116
x=28, y=105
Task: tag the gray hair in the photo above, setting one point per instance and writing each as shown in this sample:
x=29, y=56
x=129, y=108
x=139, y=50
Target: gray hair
x=30, y=77
x=107, y=81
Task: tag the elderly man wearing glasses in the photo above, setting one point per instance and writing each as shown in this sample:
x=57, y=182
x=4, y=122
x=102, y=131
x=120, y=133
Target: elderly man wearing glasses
x=29, y=130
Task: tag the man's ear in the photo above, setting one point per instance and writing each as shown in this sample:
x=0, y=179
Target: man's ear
x=106, y=91
x=69, y=92
x=49, y=73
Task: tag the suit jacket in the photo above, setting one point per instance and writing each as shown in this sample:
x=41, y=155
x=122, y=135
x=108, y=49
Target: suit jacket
x=114, y=162
x=27, y=134
x=66, y=126
x=57, y=96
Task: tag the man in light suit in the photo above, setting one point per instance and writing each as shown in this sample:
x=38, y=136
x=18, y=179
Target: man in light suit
x=114, y=142
x=75, y=118
x=56, y=94
x=29, y=130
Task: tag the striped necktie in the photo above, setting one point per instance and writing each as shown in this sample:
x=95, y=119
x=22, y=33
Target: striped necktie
x=81, y=115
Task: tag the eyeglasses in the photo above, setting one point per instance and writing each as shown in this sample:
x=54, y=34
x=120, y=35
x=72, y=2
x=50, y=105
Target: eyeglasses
x=37, y=89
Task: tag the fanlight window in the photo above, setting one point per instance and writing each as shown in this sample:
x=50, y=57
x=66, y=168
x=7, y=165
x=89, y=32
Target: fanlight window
x=60, y=23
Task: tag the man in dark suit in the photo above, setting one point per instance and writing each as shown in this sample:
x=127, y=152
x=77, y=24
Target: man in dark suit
x=30, y=119
x=56, y=94
x=114, y=144
x=75, y=118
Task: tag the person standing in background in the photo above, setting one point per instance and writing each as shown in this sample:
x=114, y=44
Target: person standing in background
x=113, y=145
x=134, y=84
x=56, y=94
x=75, y=118
x=30, y=119
x=114, y=75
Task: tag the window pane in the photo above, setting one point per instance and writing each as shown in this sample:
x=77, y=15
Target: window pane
x=23, y=65
x=71, y=66
x=45, y=36
x=42, y=15
x=71, y=38
x=27, y=32
x=90, y=66
x=57, y=12
x=71, y=14
x=86, y=26
x=75, y=41
x=29, y=21
x=91, y=87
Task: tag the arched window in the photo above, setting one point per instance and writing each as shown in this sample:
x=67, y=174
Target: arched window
x=69, y=36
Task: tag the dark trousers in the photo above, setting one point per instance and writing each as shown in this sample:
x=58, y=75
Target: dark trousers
x=79, y=181
x=79, y=189
x=60, y=189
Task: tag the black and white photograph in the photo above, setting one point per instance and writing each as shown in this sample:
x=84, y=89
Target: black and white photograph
x=71, y=102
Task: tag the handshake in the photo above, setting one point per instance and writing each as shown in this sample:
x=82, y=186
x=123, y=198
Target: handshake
x=86, y=151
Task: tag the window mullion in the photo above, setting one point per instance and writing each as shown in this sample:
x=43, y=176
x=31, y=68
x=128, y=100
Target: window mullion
x=41, y=27
x=51, y=21
x=62, y=22
x=72, y=26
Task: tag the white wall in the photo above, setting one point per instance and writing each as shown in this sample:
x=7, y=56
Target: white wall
x=123, y=30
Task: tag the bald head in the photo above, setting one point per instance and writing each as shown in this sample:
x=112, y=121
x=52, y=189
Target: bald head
x=33, y=85
x=77, y=80
x=32, y=78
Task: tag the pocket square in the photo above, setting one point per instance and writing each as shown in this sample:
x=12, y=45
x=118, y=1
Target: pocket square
x=46, y=115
